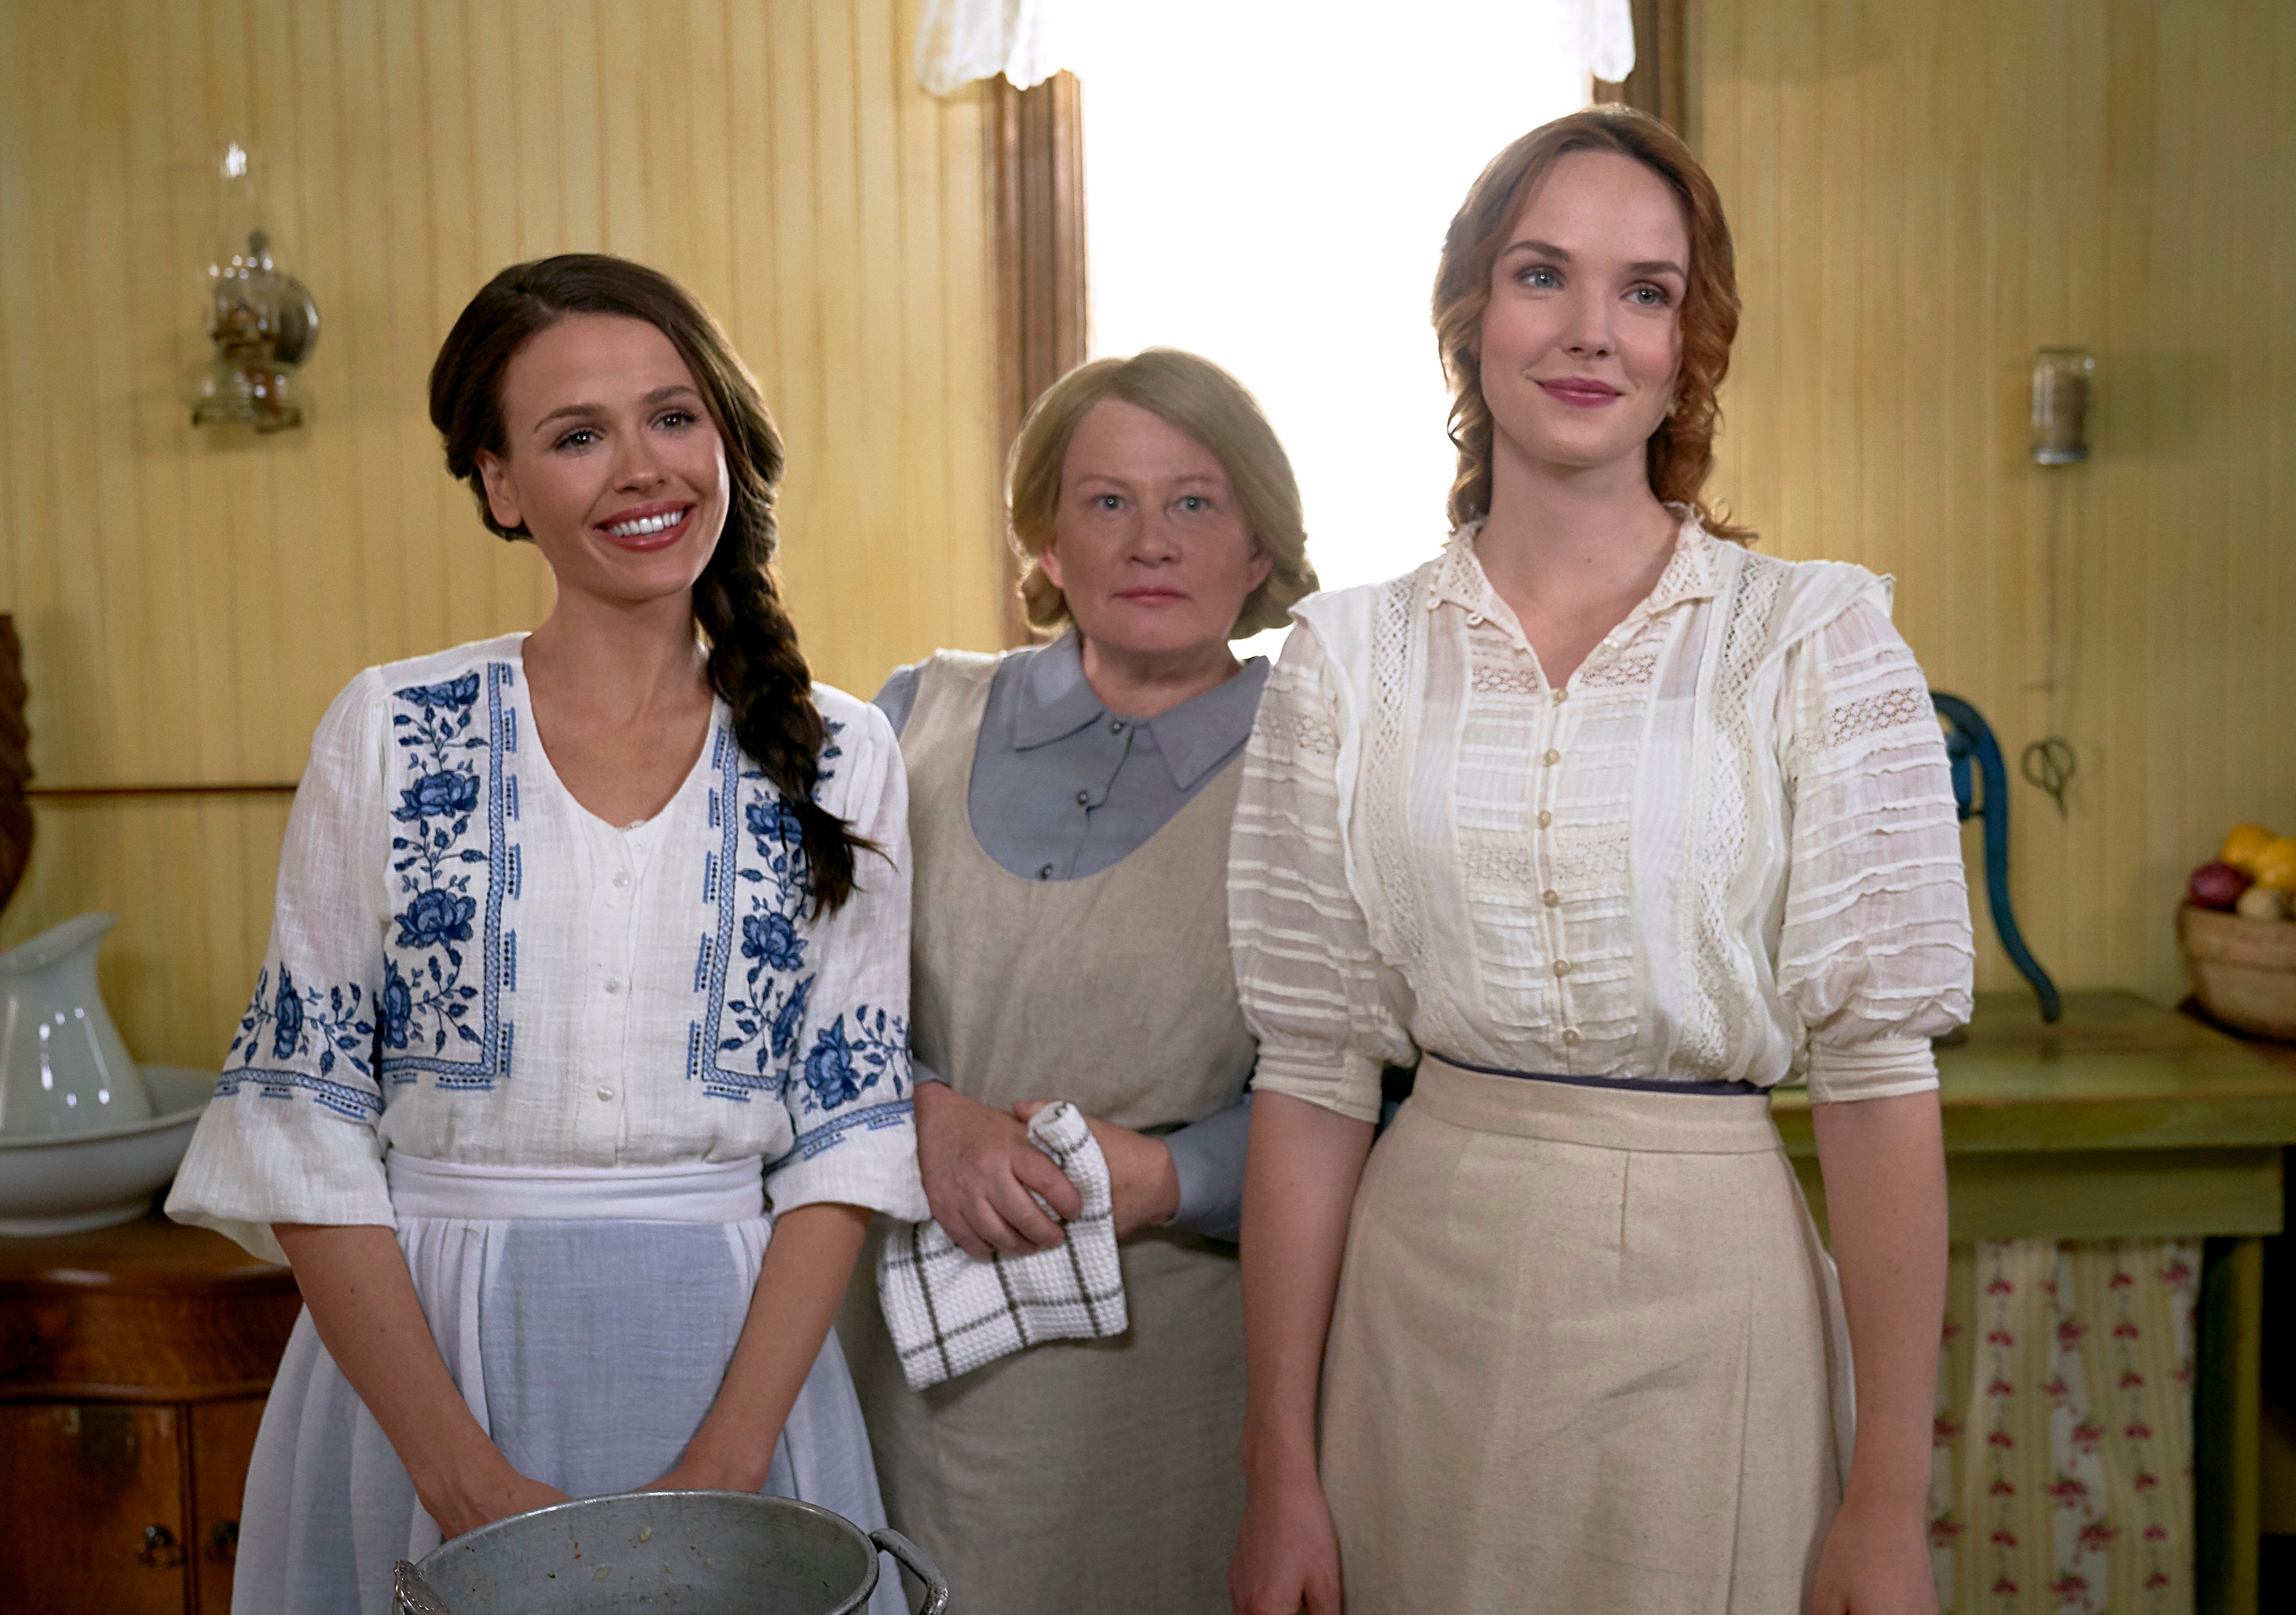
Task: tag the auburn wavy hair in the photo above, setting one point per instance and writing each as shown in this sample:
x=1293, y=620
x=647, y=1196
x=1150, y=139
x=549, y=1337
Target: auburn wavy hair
x=755, y=662
x=1681, y=451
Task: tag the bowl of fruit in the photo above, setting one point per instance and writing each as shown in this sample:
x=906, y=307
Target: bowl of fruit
x=2238, y=936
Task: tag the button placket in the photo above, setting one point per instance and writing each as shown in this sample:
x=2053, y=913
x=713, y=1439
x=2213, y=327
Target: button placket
x=615, y=913
x=1546, y=791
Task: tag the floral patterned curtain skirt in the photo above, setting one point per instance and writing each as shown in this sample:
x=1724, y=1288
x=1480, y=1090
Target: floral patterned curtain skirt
x=2062, y=1475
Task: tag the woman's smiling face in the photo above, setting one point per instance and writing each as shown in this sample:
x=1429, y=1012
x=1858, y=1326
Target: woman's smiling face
x=610, y=459
x=1582, y=337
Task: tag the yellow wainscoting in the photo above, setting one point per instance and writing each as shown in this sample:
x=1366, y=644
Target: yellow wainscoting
x=189, y=601
x=1923, y=195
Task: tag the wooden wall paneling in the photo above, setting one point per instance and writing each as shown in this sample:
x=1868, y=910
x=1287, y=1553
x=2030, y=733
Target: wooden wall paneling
x=1922, y=198
x=883, y=331
x=189, y=601
x=966, y=194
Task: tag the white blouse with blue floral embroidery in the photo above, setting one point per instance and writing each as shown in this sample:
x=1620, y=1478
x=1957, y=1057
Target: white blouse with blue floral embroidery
x=467, y=965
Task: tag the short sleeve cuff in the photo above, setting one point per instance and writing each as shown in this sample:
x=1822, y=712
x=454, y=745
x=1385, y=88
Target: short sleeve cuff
x=1883, y=1068
x=256, y=1160
x=870, y=1162
x=1348, y=1084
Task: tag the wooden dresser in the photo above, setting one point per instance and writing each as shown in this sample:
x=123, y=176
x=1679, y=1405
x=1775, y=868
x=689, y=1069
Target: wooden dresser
x=133, y=1362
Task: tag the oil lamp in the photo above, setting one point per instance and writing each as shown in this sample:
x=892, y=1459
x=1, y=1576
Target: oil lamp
x=261, y=320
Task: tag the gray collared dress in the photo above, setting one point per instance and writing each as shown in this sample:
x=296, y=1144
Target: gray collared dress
x=1071, y=941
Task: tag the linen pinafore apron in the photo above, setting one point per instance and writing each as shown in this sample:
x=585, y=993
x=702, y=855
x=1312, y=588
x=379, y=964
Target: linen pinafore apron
x=1075, y=1475
x=587, y=1315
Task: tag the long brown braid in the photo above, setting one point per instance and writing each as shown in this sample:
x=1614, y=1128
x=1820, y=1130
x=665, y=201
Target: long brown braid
x=755, y=662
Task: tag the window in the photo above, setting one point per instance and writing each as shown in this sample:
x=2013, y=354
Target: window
x=1268, y=185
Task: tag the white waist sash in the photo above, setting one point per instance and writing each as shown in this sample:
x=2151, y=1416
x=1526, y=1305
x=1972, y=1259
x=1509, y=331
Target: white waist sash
x=690, y=1191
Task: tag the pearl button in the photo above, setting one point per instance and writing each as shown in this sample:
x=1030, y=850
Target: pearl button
x=605, y=1093
x=1550, y=896
x=1551, y=757
x=1474, y=620
x=1570, y=1039
x=1561, y=696
x=1116, y=725
x=613, y=984
x=1545, y=818
x=1563, y=967
x=1046, y=873
x=621, y=877
x=1084, y=799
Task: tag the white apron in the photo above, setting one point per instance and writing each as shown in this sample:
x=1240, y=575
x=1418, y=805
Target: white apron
x=586, y=1314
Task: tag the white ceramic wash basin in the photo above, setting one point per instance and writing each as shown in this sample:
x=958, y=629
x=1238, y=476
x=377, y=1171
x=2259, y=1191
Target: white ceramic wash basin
x=72, y=1182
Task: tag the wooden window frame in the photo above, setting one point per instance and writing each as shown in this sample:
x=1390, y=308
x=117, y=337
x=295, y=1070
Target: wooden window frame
x=1658, y=83
x=1043, y=295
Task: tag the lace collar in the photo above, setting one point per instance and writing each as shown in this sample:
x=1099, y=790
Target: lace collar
x=1690, y=574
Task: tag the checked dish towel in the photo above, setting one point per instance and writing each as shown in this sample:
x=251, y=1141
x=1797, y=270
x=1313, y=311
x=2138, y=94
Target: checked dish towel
x=949, y=1313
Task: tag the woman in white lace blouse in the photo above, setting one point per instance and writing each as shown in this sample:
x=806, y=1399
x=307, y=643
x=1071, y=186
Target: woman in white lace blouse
x=1609, y=824
x=590, y=942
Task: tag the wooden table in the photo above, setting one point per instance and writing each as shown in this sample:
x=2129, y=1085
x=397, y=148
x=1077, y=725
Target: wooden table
x=2128, y=1120
x=133, y=1362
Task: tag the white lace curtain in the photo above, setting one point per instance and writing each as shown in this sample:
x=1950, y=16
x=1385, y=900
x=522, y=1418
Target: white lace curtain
x=1029, y=41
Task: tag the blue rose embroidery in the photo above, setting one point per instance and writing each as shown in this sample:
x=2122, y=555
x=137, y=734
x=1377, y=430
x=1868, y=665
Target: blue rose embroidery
x=397, y=1001
x=436, y=916
x=450, y=793
x=454, y=694
x=829, y=1069
x=781, y=1035
x=772, y=938
x=773, y=820
x=287, y=1019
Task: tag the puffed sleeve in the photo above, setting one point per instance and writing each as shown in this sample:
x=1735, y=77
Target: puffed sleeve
x=1874, y=956
x=1310, y=985
x=847, y=1089
x=290, y=1136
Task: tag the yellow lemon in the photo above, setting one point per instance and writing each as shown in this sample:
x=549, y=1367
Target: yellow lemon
x=2276, y=864
x=2242, y=846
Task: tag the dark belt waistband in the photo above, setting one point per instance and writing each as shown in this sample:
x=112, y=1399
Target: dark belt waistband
x=1644, y=1084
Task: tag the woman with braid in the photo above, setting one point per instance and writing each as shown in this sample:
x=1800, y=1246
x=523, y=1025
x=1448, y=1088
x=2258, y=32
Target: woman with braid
x=591, y=944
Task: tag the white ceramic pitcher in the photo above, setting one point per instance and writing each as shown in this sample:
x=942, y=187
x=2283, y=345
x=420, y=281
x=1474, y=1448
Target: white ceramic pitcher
x=63, y=1066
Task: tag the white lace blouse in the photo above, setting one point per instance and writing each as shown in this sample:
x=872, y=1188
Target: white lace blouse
x=467, y=965
x=1725, y=849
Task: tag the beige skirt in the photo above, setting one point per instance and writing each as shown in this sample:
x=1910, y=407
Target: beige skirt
x=1587, y=1357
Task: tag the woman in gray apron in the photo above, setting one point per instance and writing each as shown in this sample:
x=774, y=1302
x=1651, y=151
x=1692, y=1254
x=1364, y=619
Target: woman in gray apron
x=1069, y=807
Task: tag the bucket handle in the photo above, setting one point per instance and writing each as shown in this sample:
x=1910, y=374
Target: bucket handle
x=913, y=1560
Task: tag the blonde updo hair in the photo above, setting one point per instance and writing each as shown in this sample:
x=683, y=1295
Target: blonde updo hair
x=1211, y=406
x=1680, y=452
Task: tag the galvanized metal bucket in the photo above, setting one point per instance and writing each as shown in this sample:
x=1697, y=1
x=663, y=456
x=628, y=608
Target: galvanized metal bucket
x=694, y=1553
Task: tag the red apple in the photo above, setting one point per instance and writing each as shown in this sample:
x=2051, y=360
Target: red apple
x=2216, y=886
